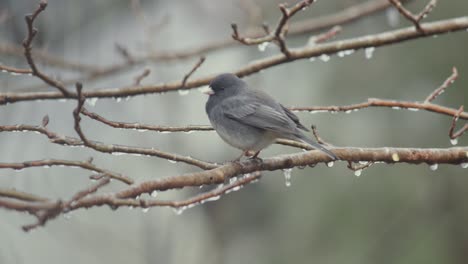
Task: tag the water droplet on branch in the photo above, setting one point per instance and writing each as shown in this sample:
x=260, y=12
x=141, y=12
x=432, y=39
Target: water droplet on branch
x=454, y=141
x=92, y=101
x=262, y=46
x=369, y=52
x=324, y=57
x=287, y=176
x=357, y=173
x=183, y=92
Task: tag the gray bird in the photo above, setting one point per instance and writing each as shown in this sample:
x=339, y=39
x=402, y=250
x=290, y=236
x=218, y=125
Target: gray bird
x=250, y=119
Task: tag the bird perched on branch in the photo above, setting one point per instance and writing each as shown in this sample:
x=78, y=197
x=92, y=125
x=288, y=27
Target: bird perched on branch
x=250, y=119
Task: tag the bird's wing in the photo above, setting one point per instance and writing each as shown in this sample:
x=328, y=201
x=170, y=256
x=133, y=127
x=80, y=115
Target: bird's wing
x=258, y=115
x=294, y=118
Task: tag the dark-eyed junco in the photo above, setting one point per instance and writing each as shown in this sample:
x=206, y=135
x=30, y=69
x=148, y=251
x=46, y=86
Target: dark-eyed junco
x=250, y=119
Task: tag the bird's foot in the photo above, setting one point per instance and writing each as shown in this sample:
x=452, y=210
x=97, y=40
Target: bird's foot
x=255, y=157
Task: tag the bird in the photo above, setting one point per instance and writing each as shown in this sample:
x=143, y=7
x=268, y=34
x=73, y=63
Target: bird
x=250, y=119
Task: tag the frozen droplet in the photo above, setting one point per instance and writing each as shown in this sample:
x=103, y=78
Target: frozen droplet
x=369, y=52
x=118, y=153
x=211, y=199
x=12, y=73
x=348, y=111
x=312, y=59
x=262, y=46
x=348, y=52
x=434, y=167
x=67, y=215
x=341, y=54
x=183, y=91
x=454, y=141
x=362, y=162
x=62, y=100
x=232, y=180
x=154, y=194
x=172, y=161
x=179, y=210
x=145, y=210
x=131, y=207
x=396, y=107
x=118, y=100
x=393, y=17
x=413, y=109
x=395, y=157
x=464, y=165
x=324, y=57
x=92, y=101
x=287, y=176
x=357, y=173
x=330, y=164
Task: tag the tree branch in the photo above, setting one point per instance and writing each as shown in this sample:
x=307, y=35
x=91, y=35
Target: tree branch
x=27, y=44
x=377, y=40
x=68, y=163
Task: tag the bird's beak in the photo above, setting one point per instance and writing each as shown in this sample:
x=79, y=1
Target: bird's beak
x=208, y=91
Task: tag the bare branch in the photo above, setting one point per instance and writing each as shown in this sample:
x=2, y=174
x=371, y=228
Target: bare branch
x=325, y=36
x=23, y=196
x=306, y=26
x=444, y=86
x=14, y=70
x=27, y=44
x=108, y=148
x=452, y=134
x=394, y=104
x=415, y=19
x=377, y=40
x=140, y=77
x=64, y=207
x=280, y=31
x=194, y=68
x=68, y=163
x=141, y=127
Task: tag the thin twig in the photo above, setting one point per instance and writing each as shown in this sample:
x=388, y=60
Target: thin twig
x=45, y=163
x=142, y=127
x=444, y=86
x=27, y=44
x=452, y=134
x=141, y=76
x=280, y=31
x=14, y=70
x=394, y=104
x=22, y=196
x=192, y=71
x=64, y=207
x=325, y=36
x=415, y=19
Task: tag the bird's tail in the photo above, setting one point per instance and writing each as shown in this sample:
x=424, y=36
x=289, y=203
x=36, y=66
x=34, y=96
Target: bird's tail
x=316, y=145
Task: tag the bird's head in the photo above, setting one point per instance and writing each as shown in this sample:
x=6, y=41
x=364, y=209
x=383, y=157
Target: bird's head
x=226, y=84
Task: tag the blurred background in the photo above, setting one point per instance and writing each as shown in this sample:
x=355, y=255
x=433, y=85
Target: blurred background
x=390, y=214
